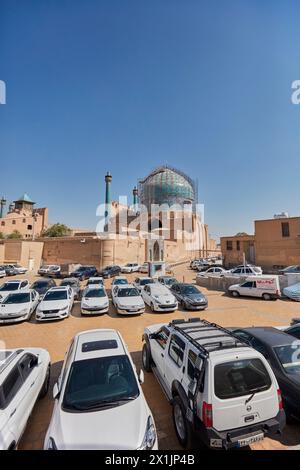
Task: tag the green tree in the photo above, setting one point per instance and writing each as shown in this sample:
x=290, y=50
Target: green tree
x=15, y=235
x=2, y=236
x=57, y=230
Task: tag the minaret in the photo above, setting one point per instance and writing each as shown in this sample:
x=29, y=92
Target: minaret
x=135, y=193
x=2, y=205
x=108, y=179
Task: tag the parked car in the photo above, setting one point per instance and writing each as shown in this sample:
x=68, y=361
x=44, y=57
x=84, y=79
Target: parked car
x=119, y=281
x=127, y=300
x=52, y=270
x=94, y=300
x=189, y=296
x=41, y=286
x=74, y=283
x=295, y=269
x=24, y=377
x=144, y=268
x=130, y=268
x=295, y=321
x=242, y=271
x=56, y=304
x=223, y=392
x=215, y=271
x=18, y=306
x=292, y=292
x=159, y=298
x=9, y=270
x=95, y=280
x=99, y=403
x=257, y=269
x=110, y=271
x=293, y=330
x=19, y=269
x=13, y=286
x=282, y=351
x=84, y=272
x=141, y=282
x=2, y=271
x=202, y=267
x=265, y=287
x=167, y=281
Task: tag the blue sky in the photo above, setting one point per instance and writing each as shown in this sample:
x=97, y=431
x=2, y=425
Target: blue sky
x=205, y=86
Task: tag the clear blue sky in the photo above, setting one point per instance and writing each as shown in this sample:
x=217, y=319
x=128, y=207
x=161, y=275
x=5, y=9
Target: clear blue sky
x=205, y=86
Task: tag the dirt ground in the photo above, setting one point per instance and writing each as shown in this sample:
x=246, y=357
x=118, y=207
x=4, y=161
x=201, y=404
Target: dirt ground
x=56, y=336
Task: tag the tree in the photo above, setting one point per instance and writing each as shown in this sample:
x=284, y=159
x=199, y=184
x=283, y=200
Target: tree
x=57, y=230
x=2, y=236
x=15, y=235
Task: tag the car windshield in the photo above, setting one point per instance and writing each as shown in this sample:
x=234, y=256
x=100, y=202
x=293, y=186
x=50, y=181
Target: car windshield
x=17, y=298
x=143, y=282
x=9, y=286
x=56, y=295
x=95, y=281
x=187, y=290
x=98, y=383
x=119, y=282
x=129, y=265
x=130, y=292
x=289, y=357
x=94, y=293
x=39, y=284
x=170, y=281
x=68, y=283
x=239, y=378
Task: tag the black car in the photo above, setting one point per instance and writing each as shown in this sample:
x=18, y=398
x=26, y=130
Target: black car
x=110, y=271
x=42, y=285
x=84, y=272
x=293, y=330
x=189, y=296
x=290, y=269
x=282, y=351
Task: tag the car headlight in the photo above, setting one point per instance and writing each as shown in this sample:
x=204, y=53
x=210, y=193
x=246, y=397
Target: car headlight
x=150, y=436
x=84, y=305
x=51, y=444
x=23, y=312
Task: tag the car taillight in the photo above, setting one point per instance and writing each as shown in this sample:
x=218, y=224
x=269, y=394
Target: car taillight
x=207, y=415
x=279, y=399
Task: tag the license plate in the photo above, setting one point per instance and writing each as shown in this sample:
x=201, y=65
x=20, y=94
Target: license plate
x=250, y=440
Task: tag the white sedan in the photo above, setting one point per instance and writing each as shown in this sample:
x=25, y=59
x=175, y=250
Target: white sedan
x=56, y=304
x=159, y=298
x=24, y=377
x=13, y=286
x=130, y=268
x=18, y=306
x=94, y=300
x=127, y=300
x=215, y=271
x=99, y=402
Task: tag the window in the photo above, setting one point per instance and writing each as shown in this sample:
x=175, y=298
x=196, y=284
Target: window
x=24, y=221
x=25, y=365
x=162, y=337
x=238, y=245
x=191, y=364
x=176, y=350
x=2, y=223
x=285, y=229
x=12, y=385
x=248, y=284
x=24, y=284
x=256, y=344
x=29, y=227
x=240, y=378
x=228, y=245
x=14, y=222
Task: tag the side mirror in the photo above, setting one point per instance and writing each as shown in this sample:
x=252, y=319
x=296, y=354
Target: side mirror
x=56, y=391
x=153, y=336
x=141, y=377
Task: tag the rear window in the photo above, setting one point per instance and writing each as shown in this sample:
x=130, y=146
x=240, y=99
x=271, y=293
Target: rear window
x=238, y=378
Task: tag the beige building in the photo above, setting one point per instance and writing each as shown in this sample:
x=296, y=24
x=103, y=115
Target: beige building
x=26, y=253
x=275, y=244
x=23, y=217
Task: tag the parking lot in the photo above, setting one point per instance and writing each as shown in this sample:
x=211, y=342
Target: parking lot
x=55, y=337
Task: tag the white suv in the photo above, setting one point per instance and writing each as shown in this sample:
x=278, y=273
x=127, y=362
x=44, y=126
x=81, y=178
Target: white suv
x=99, y=403
x=24, y=377
x=56, y=304
x=130, y=268
x=223, y=392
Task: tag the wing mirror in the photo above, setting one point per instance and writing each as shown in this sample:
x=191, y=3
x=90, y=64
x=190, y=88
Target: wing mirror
x=153, y=336
x=56, y=391
x=141, y=377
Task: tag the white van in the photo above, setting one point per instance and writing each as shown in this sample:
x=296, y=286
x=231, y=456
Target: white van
x=266, y=287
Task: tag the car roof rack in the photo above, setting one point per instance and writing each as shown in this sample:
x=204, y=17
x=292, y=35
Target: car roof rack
x=9, y=359
x=192, y=327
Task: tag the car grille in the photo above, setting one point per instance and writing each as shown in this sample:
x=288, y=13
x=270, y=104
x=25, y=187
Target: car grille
x=50, y=312
x=167, y=306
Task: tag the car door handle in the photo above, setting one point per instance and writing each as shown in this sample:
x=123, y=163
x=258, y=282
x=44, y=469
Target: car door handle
x=13, y=412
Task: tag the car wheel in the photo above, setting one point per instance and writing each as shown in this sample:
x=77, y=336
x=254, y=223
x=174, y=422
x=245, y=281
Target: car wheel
x=146, y=358
x=182, y=426
x=266, y=297
x=235, y=293
x=45, y=387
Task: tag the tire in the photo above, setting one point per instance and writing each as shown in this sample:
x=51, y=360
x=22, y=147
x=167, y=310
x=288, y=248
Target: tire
x=146, y=358
x=45, y=387
x=266, y=297
x=235, y=293
x=182, y=426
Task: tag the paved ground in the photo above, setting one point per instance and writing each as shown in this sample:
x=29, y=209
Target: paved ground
x=55, y=337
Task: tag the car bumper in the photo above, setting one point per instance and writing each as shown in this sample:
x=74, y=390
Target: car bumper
x=230, y=439
x=196, y=307
x=165, y=308
x=129, y=312
x=51, y=317
x=13, y=319
x=98, y=311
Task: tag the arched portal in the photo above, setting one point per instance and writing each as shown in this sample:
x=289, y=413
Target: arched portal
x=156, y=251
